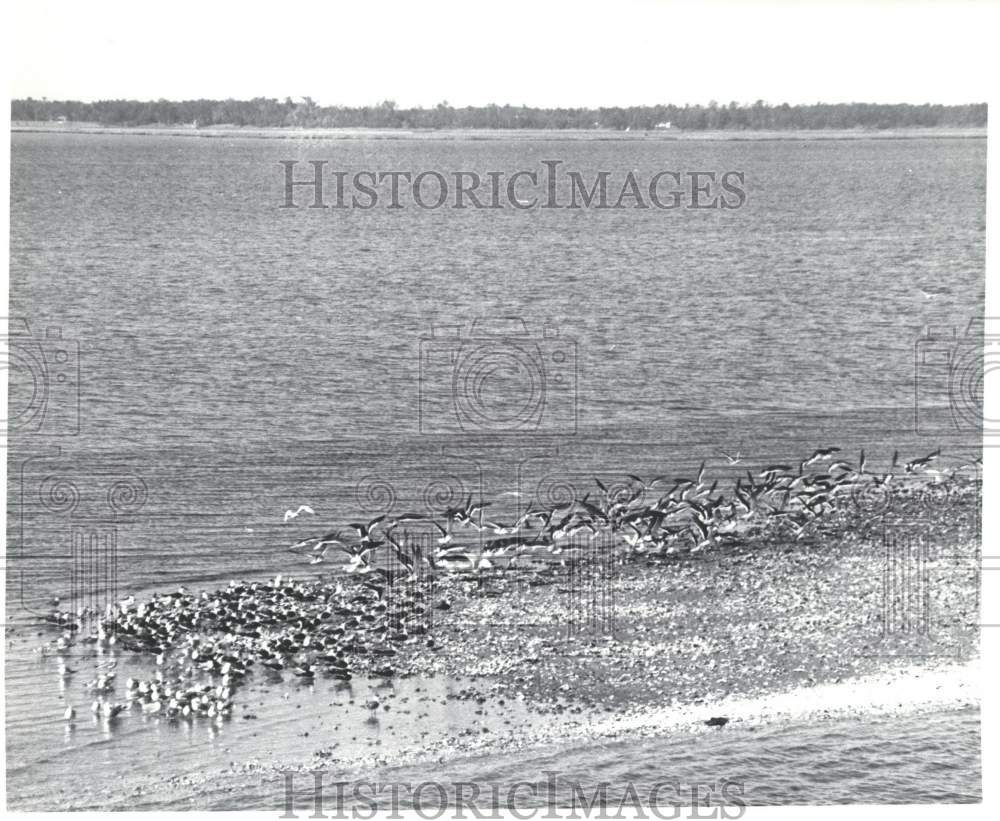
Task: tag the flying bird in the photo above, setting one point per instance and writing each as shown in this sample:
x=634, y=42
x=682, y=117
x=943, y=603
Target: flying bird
x=821, y=454
x=294, y=514
x=931, y=291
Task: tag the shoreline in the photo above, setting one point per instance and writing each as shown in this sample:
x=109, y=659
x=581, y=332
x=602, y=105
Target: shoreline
x=290, y=133
x=696, y=636
x=862, y=701
x=911, y=690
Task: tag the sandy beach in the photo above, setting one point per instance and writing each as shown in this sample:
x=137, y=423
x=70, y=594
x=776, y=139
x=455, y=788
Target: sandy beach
x=514, y=670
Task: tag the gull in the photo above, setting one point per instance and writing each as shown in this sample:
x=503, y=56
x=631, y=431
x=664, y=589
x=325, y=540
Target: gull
x=359, y=563
x=770, y=473
x=409, y=517
x=820, y=455
x=471, y=509
x=401, y=555
x=913, y=464
x=464, y=514
x=497, y=528
x=561, y=530
x=940, y=476
x=931, y=291
x=446, y=537
x=701, y=473
x=294, y=514
x=324, y=544
x=304, y=670
x=456, y=562
x=594, y=511
x=733, y=460
x=543, y=517
x=321, y=555
x=316, y=542
x=364, y=531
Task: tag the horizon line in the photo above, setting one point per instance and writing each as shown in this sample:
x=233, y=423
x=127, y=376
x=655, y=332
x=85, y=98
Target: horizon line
x=307, y=100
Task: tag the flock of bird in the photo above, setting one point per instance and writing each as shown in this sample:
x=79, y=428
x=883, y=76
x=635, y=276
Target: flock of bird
x=205, y=644
x=664, y=515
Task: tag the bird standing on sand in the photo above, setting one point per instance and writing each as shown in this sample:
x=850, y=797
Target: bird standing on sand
x=717, y=721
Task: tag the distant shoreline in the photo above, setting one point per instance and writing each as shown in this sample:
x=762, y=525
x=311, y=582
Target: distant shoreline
x=674, y=135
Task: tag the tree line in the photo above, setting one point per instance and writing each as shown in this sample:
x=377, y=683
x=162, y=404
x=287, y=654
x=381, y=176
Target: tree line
x=304, y=112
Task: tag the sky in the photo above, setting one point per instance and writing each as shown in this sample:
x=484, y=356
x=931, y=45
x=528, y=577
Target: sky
x=533, y=52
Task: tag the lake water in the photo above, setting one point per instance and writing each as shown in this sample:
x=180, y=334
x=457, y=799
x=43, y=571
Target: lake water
x=226, y=359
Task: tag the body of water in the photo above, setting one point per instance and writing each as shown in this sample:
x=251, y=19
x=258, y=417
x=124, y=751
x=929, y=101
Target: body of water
x=197, y=359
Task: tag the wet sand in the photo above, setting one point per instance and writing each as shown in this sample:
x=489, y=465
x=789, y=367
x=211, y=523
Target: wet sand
x=874, y=616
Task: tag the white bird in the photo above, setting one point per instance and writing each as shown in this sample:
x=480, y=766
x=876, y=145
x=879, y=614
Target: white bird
x=931, y=291
x=294, y=514
x=733, y=460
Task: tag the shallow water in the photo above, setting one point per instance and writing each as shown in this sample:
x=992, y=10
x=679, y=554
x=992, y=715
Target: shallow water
x=236, y=359
x=908, y=759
